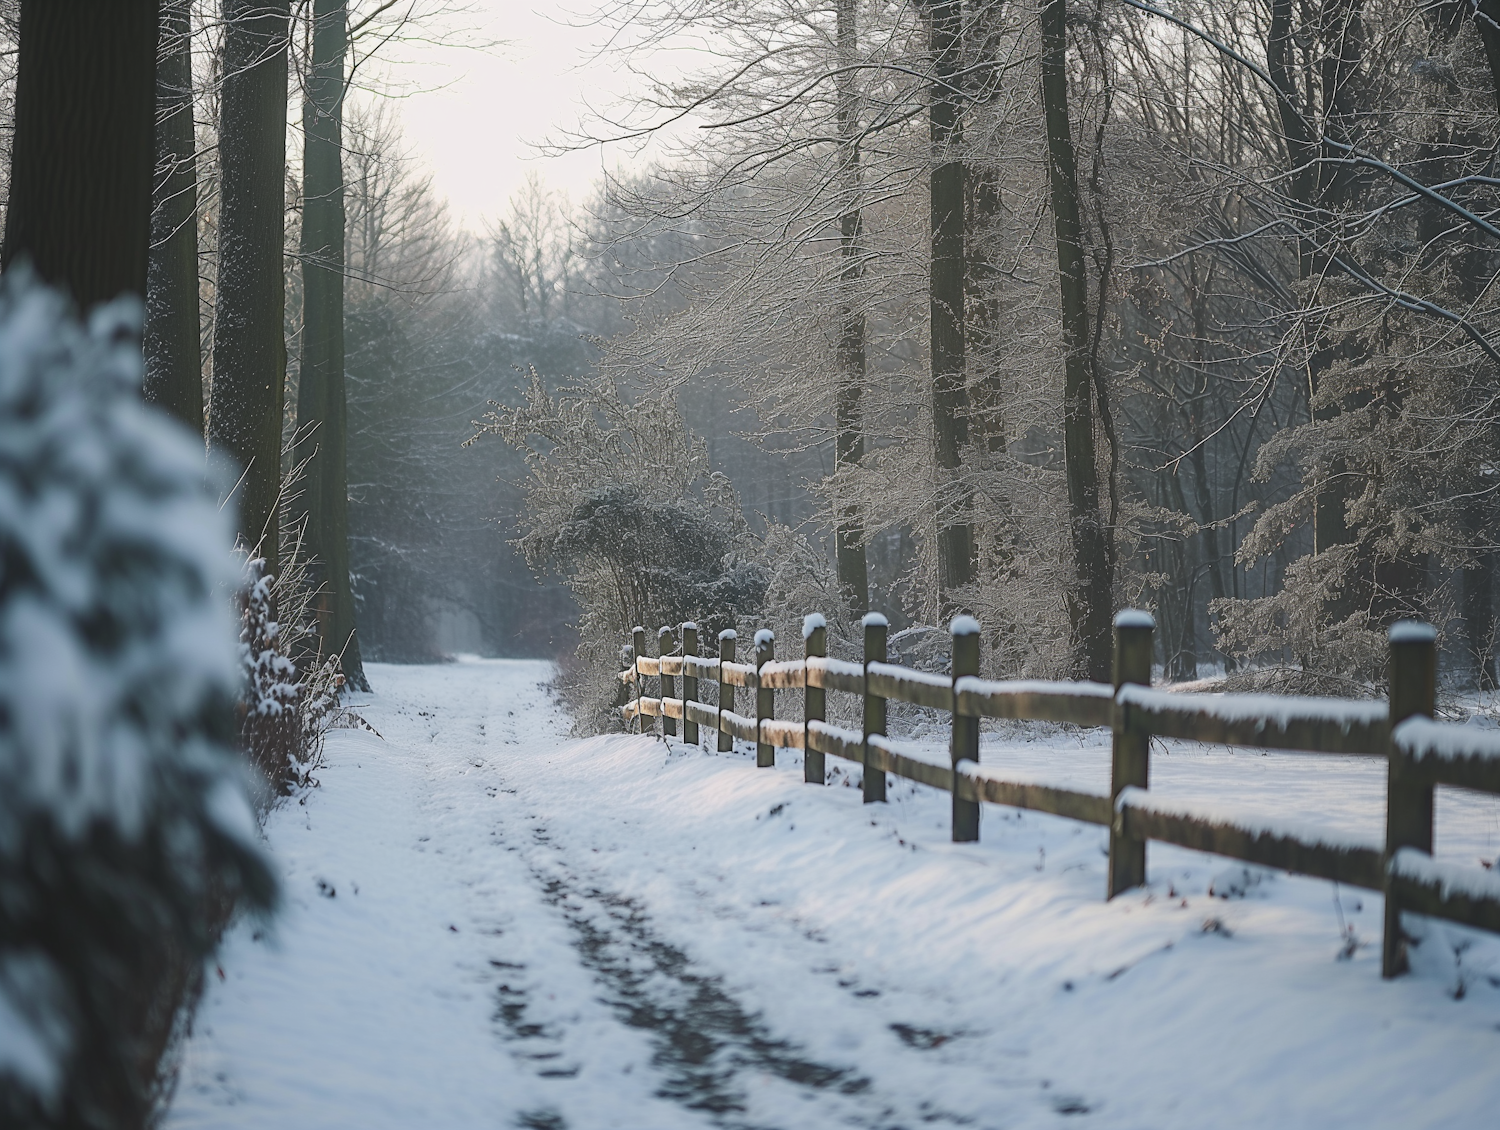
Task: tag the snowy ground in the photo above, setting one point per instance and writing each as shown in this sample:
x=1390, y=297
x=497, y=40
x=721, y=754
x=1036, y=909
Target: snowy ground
x=487, y=925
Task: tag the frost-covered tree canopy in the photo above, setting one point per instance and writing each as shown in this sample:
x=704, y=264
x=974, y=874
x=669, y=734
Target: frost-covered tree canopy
x=125, y=827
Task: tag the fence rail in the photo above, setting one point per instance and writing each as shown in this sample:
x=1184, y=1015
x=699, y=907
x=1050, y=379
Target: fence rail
x=1420, y=752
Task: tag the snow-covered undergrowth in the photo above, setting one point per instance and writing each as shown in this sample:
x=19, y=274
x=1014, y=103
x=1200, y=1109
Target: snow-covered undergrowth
x=124, y=823
x=491, y=926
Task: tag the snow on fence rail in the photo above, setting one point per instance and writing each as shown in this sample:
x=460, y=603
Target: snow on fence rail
x=1420, y=752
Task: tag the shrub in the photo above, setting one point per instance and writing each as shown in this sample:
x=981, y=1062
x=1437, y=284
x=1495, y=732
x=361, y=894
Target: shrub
x=125, y=829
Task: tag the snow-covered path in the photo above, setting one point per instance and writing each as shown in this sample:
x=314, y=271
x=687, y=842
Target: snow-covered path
x=487, y=925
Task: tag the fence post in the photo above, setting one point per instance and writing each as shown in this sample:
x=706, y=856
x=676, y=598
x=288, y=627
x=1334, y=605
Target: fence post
x=1131, y=763
x=689, y=682
x=875, y=630
x=965, y=740
x=666, y=644
x=1408, y=804
x=638, y=644
x=726, y=690
x=765, y=700
x=814, y=699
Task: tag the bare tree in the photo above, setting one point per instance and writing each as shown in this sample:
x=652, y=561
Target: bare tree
x=80, y=164
x=174, y=355
x=249, y=351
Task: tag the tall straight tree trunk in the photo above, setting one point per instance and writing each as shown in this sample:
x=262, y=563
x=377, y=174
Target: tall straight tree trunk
x=1202, y=483
x=174, y=354
x=982, y=210
x=249, y=357
x=81, y=157
x=950, y=397
x=1090, y=604
x=322, y=411
x=982, y=309
x=1487, y=20
x=849, y=440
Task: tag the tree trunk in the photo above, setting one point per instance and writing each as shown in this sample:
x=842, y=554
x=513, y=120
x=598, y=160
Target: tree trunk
x=81, y=157
x=249, y=357
x=1487, y=20
x=1089, y=606
x=950, y=397
x=849, y=441
x=174, y=355
x=1202, y=483
x=1300, y=149
x=1479, y=618
x=322, y=411
x=982, y=309
x=982, y=211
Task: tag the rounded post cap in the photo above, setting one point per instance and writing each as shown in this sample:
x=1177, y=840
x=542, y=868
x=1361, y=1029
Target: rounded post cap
x=664, y=631
x=639, y=628
x=764, y=636
x=964, y=626
x=874, y=620
x=1134, y=618
x=729, y=634
x=1412, y=631
x=812, y=622
x=689, y=626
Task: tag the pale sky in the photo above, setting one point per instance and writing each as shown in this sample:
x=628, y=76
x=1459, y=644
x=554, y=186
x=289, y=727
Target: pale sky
x=474, y=117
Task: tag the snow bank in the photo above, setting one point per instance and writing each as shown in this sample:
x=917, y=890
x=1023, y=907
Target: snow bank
x=625, y=933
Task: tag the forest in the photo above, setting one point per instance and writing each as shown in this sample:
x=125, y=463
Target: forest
x=1024, y=310
x=1039, y=311
x=920, y=307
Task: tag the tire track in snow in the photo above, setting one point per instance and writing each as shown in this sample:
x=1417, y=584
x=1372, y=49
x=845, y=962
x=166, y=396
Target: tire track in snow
x=709, y=1046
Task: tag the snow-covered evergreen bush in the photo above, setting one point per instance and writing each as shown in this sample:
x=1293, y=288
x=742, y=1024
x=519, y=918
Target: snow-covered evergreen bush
x=270, y=729
x=286, y=712
x=126, y=835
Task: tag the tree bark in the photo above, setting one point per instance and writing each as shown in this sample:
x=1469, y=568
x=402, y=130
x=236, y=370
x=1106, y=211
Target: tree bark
x=1487, y=20
x=849, y=441
x=322, y=410
x=81, y=157
x=982, y=210
x=1202, y=483
x=1477, y=583
x=1300, y=149
x=1089, y=607
x=249, y=355
x=174, y=353
x=950, y=397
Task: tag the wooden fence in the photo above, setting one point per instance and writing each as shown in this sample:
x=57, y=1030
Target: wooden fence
x=1420, y=752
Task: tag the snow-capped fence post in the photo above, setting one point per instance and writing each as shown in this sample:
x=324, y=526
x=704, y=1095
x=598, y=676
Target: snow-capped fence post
x=814, y=699
x=965, y=737
x=689, y=682
x=875, y=626
x=1130, y=765
x=1408, y=805
x=727, y=640
x=666, y=644
x=638, y=644
x=765, y=698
